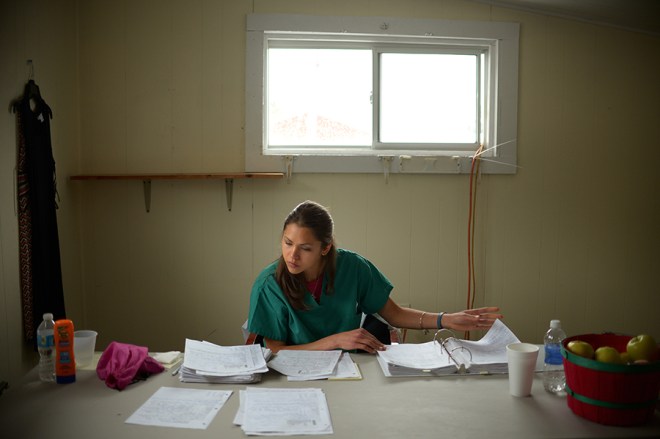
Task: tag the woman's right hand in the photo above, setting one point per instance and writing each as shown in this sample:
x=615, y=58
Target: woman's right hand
x=356, y=339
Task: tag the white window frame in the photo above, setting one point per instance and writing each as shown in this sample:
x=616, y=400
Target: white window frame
x=500, y=39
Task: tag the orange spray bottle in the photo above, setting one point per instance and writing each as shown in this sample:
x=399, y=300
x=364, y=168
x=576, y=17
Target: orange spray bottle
x=65, y=362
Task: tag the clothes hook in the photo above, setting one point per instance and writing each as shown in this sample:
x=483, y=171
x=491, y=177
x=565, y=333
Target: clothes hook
x=387, y=163
x=402, y=160
x=429, y=163
x=31, y=71
x=288, y=163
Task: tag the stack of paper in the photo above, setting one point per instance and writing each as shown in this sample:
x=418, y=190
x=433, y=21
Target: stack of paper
x=305, y=365
x=205, y=362
x=315, y=365
x=415, y=359
x=450, y=356
x=346, y=369
x=283, y=412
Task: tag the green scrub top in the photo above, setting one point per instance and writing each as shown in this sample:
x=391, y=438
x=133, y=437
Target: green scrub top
x=359, y=288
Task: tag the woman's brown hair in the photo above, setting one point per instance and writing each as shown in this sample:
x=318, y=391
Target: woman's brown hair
x=317, y=219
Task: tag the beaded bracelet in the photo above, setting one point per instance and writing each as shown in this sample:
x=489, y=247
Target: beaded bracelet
x=420, y=320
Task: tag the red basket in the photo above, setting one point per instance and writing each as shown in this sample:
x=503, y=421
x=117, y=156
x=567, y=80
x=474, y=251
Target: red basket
x=611, y=394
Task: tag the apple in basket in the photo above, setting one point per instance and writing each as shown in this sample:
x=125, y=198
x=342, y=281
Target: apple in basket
x=581, y=348
x=608, y=354
x=642, y=347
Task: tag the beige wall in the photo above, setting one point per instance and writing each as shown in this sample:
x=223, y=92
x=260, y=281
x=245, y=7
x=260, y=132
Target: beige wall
x=161, y=89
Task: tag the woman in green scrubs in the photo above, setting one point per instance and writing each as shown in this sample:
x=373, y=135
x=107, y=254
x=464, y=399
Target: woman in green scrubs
x=314, y=295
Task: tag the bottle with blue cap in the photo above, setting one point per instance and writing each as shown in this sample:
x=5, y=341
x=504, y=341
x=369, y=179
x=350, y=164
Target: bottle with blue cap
x=46, y=348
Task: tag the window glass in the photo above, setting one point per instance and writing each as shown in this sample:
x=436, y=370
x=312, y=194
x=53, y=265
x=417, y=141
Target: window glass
x=319, y=97
x=428, y=98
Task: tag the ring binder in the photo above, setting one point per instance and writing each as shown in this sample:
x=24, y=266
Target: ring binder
x=446, y=354
x=462, y=366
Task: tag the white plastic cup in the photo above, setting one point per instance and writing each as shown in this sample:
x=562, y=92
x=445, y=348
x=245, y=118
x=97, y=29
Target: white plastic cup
x=522, y=361
x=84, y=343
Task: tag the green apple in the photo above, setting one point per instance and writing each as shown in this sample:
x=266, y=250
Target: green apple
x=625, y=358
x=642, y=347
x=581, y=348
x=607, y=354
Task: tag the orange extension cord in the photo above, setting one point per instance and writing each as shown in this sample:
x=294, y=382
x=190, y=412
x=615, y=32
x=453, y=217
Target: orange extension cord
x=472, y=281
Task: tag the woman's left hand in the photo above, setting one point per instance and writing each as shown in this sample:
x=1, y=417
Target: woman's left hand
x=472, y=319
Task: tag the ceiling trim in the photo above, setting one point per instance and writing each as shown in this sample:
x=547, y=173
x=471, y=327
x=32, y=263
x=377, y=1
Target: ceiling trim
x=640, y=15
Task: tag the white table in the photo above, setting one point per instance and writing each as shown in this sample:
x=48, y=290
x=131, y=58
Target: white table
x=375, y=407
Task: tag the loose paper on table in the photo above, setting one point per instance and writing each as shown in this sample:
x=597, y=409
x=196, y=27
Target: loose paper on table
x=305, y=364
x=180, y=408
x=346, y=370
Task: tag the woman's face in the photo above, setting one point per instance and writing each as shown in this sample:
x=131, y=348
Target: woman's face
x=302, y=251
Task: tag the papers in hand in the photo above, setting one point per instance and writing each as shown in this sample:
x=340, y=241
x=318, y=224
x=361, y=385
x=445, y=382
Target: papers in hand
x=283, y=412
x=205, y=362
x=451, y=355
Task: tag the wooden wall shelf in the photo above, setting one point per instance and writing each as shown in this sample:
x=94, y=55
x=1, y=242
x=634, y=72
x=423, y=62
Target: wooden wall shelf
x=147, y=178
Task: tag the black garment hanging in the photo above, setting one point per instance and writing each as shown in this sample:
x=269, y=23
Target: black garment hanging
x=41, y=273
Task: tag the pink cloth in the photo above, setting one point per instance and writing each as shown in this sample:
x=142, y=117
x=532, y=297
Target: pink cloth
x=121, y=364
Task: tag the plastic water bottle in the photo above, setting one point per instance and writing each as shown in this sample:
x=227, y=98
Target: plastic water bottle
x=554, y=379
x=46, y=347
